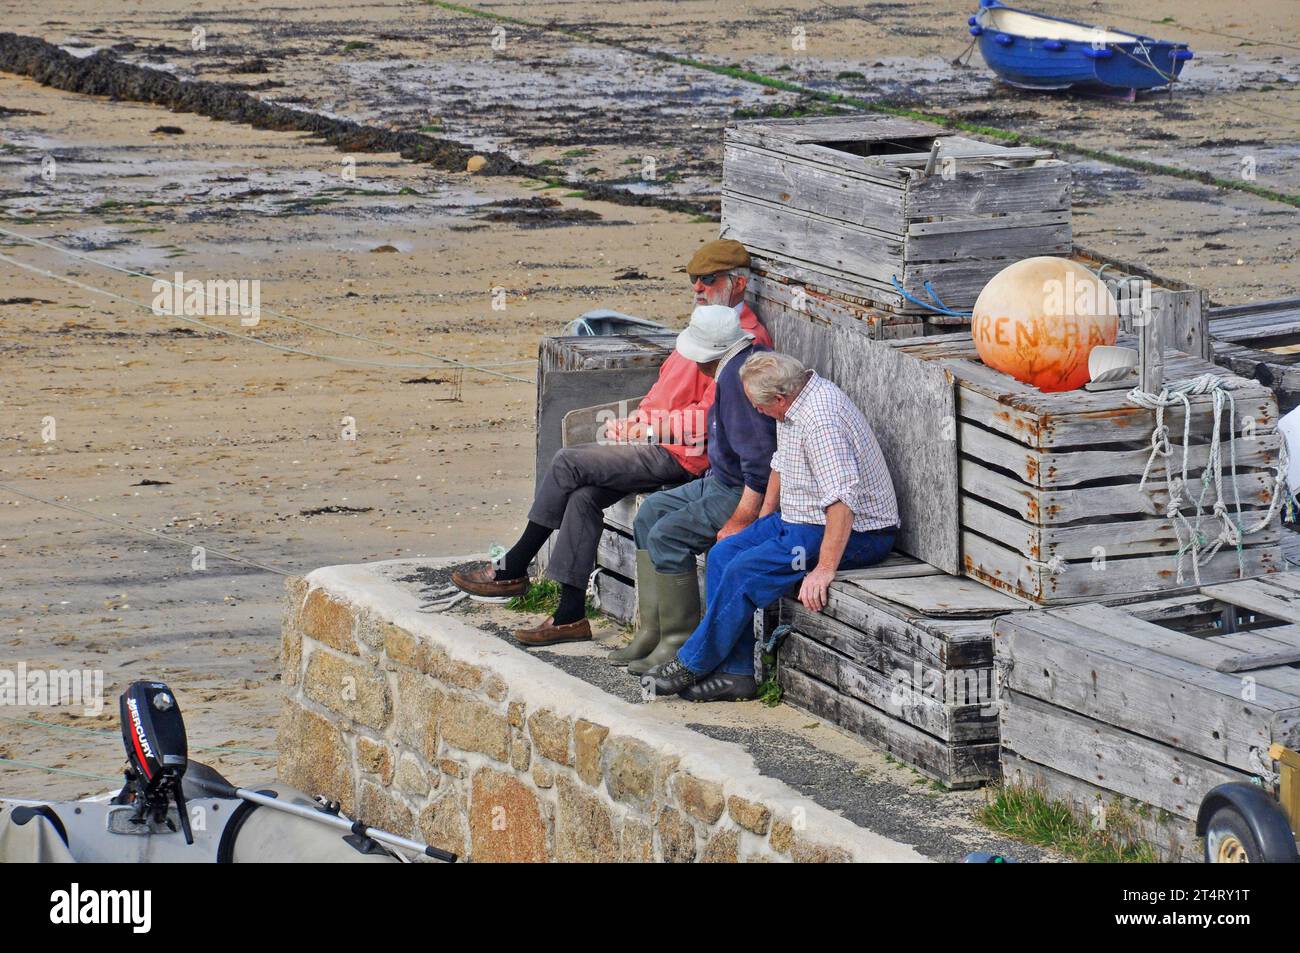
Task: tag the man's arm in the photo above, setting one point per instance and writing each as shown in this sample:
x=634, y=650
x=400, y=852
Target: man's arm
x=772, y=498
x=839, y=523
x=746, y=512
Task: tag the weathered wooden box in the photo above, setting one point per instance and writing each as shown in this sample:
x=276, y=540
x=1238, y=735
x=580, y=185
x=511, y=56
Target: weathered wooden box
x=575, y=372
x=851, y=204
x=1051, y=505
x=1125, y=713
x=903, y=656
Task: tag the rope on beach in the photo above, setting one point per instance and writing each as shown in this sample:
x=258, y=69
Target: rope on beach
x=1191, y=539
x=140, y=529
x=446, y=361
x=53, y=770
x=117, y=735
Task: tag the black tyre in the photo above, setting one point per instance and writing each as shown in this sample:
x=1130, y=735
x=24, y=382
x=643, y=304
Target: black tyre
x=1229, y=840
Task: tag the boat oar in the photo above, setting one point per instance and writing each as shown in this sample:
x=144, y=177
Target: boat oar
x=219, y=789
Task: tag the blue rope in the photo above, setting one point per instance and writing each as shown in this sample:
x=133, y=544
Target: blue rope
x=929, y=307
x=937, y=300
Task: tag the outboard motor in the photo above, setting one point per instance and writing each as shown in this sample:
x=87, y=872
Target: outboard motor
x=157, y=754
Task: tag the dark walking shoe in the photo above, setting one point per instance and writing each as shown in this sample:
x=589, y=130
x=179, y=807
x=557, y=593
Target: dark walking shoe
x=670, y=678
x=721, y=687
x=483, y=582
x=548, y=633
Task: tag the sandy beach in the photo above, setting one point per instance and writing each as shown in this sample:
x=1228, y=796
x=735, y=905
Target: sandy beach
x=346, y=426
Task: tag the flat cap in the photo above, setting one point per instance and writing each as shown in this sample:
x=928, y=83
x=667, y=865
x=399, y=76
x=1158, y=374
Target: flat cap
x=719, y=255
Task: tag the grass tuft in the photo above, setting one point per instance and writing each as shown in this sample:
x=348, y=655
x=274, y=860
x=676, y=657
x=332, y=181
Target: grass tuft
x=1027, y=814
x=543, y=598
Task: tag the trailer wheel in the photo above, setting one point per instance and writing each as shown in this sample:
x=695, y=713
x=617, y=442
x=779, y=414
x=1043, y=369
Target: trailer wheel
x=1228, y=839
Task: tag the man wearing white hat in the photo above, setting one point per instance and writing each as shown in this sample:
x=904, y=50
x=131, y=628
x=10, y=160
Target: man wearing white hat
x=674, y=526
x=664, y=443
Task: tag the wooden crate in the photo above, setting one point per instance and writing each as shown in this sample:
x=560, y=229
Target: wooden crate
x=1127, y=707
x=1051, y=508
x=845, y=204
x=1261, y=341
x=902, y=656
x=575, y=372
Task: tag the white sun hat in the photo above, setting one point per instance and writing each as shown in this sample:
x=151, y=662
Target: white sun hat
x=714, y=328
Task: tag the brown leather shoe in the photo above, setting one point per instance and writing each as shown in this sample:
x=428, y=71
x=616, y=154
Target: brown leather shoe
x=548, y=633
x=483, y=582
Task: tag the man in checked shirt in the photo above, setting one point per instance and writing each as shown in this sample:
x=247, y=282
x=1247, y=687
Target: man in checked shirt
x=829, y=506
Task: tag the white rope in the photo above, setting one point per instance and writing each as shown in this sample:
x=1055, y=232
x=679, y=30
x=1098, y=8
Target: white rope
x=1191, y=539
x=592, y=592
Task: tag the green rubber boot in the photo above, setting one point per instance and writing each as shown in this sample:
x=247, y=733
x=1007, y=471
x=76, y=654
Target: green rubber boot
x=647, y=613
x=679, y=614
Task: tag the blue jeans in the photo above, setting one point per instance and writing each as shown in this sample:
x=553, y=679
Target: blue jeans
x=750, y=571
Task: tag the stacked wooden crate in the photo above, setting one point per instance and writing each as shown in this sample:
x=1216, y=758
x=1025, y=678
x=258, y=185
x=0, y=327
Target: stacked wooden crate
x=848, y=206
x=902, y=655
x=575, y=372
x=1051, y=504
x=1130, y=714
x=1262, y=341
x=578, y=372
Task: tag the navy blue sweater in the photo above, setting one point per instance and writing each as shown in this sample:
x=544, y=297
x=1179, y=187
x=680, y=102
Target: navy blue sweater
x=741, y=440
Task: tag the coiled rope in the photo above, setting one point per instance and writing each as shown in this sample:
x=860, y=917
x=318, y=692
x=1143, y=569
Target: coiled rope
x=1193, y=541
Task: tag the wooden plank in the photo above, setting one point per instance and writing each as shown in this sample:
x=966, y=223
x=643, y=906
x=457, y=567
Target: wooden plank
x=1145, y=536
x=1128, y=764
x=617, y=598
x=1289, y=581
x=787, y=180
x=621, y=515
x=1000, y=566
x=1082, y=419
x=1172, y=838
x=1045, y=187
x=946, y=644
x=775, y=231
x=1022, y=236
x=1050, y=469
x=1125, y=628
x=1075, y=504
x=617, y=552
x=1254, y=661
x=1185, y=327
x=1258, y=596
x=1148, y=692
x=803, y=336
x=915, y=426
x=895, y=566
x=957, y=766
x=956, y=707
x=822, y=275
x=944, y=596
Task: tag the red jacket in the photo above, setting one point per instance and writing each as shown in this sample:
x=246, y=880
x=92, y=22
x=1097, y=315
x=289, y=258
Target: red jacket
x=685, y=396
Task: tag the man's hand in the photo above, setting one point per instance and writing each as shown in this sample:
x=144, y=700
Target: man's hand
x=638, y=430
x=731, y=527
x=812, y=593
x=614, y=429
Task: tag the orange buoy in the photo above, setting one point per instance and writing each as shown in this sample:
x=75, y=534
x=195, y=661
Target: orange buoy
x=1038, y=320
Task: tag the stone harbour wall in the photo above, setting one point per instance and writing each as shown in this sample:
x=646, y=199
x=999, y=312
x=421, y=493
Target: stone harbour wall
x=422, y=725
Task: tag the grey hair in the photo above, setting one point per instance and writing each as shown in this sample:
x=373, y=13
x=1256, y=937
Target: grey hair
x=769, y=375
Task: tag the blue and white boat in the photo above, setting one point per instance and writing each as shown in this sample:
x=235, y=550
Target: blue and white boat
x=1033, y=51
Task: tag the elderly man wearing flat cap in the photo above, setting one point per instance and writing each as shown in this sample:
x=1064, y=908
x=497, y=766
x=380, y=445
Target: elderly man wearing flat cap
x=674, y=526
x=664, y=443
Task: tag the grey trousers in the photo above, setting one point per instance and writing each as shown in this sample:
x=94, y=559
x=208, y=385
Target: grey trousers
x=580, y=482
x=677, y=525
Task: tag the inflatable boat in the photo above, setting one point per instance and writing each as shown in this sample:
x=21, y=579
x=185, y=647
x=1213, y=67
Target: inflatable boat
x=173, y=810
